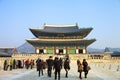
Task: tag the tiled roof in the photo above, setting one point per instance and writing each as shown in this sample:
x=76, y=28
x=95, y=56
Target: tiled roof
x=60, y=28
x=36, y=42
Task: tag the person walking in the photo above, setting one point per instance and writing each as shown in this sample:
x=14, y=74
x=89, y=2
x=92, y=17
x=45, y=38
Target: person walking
x=80, y=68
x=85, y=65
x=27, y=63
x=11, y=64
x=40, y=68
x=61, y=62
x=67, y=66
x=37, y=63
x=14, y=64
x=31, y=63
x=49, y=65
x=6, y=65
x=57, y=67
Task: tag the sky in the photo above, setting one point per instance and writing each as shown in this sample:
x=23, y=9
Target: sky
x=17, y=16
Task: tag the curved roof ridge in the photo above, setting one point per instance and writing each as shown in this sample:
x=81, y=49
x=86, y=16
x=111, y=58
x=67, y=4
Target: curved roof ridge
x=60, y=25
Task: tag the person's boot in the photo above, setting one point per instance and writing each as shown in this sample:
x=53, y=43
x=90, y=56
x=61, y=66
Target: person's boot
x=66, y=75
x=80, y=77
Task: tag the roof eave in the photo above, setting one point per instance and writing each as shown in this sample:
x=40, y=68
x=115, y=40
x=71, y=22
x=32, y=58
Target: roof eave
x=37, y=41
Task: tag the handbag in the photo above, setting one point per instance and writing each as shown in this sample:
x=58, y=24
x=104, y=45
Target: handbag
x=88, y=68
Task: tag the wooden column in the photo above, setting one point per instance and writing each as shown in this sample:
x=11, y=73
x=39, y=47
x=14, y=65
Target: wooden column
x=44, y=49
x=85, y=49
x=77, y=50
x=35, y=50
x=54, y=49
x=66, y=50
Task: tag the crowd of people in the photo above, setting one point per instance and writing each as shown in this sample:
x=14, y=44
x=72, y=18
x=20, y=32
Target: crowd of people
x=55, y=64
x=50, y=64
x=15, y=64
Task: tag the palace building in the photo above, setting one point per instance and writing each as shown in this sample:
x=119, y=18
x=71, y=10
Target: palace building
x=60, y=39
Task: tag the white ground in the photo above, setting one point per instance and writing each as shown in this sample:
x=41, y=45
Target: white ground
x=97, y=72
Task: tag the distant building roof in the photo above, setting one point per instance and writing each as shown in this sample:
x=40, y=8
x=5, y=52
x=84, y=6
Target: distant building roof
x=6, y=47
x=115, y=54
x=7, y=51
x=107, y=50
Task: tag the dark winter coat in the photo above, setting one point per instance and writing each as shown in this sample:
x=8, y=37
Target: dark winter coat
x=57, y=65
x=41, y=65
x=85, y=64
x=67, y=64
x=49, y=63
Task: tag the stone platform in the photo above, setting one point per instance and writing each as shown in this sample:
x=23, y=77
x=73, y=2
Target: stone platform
x=97, y=72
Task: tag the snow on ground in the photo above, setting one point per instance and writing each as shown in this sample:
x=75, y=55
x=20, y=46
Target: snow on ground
x=96, y=73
